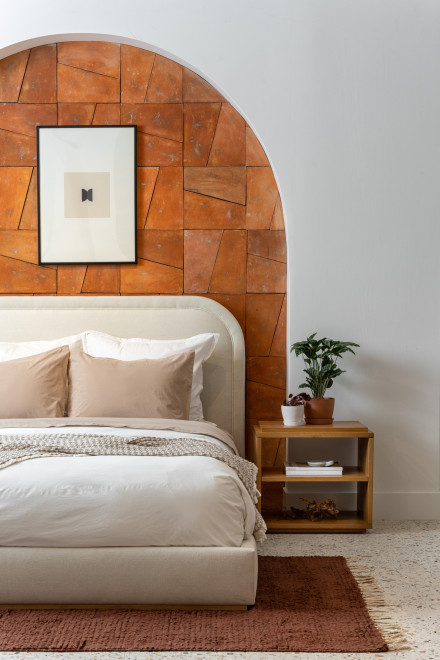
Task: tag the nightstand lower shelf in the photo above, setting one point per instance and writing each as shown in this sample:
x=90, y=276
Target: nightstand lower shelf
x=347, y=521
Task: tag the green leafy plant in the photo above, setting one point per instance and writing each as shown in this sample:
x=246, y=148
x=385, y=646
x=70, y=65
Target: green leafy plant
x=320, y=356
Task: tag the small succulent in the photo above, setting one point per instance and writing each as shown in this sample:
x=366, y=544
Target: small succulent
x=297, y=400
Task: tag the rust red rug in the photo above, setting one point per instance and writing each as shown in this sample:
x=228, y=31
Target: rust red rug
x=304, y=604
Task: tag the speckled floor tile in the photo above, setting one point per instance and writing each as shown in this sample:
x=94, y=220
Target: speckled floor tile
x=404, y=558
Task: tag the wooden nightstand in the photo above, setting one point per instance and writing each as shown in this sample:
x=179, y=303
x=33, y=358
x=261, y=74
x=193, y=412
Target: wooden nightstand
x=361, y=474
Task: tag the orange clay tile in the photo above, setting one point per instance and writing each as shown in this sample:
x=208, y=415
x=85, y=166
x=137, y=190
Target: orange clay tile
x=29, y=216
x=75, y=114
x=146, y=180
x=166, y=208
x=229, y=145
x=70, y=279
x=164, y=246
x=165, y=85
x=40, y=79
x=107, y=114
x=274, y=452
x=268, y=244
x=255, y=155
x=21, y=277
x=277, y=221
x=78, y=86
x=198, y=90
x=279, y=340
x=234, y=303
x=229, y=275
x=272, y=494
x=161, y=119
x=17, y=150
x=14, y=184
x=96, y=56
x=22, y=245
x=263, y=401
x=200, y=121
x=23, y=118
x=265, y=275
x=102, y=279
x=150, y=278
x=202, y=212
x=249, y=428
x=12, y=70
x=262, y=312
x=262, y=193
x=228, y=183
x=153, y=150
x=136, y=67
x=200, y=252
x=267, y=370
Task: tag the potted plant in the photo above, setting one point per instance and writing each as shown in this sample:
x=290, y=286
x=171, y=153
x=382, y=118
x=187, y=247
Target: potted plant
x=292, y=409
x=320, y=357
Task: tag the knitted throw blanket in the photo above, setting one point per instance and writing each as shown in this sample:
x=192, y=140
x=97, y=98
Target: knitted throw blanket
x=17, y=448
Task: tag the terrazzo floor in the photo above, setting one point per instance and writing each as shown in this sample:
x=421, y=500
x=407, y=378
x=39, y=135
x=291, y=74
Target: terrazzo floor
x=404, y=557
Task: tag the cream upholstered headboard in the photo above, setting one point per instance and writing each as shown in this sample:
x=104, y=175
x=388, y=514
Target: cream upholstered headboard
x=156, y=317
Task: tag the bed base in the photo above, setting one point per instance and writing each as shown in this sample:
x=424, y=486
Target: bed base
x=94, y=606
x=169, y=576
x=156, y=577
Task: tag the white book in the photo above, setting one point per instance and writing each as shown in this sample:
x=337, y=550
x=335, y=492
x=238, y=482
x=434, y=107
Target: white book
x=306, y=466
x=313, y=474
x=299, y=469
x=315, y=469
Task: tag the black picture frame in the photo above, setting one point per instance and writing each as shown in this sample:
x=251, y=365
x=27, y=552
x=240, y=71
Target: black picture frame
x=87, y=195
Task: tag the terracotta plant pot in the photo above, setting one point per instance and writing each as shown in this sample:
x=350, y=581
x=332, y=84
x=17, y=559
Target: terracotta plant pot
x=319, y=411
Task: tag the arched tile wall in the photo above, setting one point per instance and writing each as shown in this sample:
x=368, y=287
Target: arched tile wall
x=209, y=214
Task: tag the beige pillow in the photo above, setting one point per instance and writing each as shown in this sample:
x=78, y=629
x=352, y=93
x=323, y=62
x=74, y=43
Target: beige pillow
x=34, y=386
x=104, y=387
x=100, y=344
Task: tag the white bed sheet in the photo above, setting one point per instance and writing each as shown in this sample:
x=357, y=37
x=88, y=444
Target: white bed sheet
x=95, y=501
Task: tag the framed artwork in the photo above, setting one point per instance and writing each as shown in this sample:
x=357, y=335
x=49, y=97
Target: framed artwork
x=86, y=194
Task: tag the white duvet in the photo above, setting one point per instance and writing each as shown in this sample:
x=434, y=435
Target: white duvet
x=92, y=501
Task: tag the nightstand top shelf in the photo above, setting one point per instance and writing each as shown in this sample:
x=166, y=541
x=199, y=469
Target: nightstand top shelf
x=272, y=429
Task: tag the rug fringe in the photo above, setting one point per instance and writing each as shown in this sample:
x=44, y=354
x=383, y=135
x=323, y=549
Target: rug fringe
x=380, y=612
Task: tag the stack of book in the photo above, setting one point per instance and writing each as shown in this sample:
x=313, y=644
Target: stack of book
x=305, y=470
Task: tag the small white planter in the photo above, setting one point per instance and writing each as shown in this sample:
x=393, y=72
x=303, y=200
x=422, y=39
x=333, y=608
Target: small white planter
x=293, y=415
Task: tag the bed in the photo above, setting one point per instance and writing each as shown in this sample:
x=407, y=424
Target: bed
x=112, y=572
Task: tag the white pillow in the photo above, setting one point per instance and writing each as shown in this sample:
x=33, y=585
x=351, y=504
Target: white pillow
x=11, y=350
x=99, y=344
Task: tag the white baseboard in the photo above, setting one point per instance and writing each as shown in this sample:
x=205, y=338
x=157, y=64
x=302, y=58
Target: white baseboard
x=407, y=506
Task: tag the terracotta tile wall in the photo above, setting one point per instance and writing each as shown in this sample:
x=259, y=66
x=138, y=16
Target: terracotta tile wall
x=209, y=214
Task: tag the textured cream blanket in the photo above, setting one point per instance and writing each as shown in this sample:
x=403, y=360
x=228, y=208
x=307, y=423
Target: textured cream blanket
x=155, y=424
x=16, y=448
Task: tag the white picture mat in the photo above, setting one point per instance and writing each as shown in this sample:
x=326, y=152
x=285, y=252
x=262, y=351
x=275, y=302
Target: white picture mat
x=87, y=240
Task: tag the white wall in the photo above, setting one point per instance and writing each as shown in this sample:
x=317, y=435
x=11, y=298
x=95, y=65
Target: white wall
x=345, y=96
